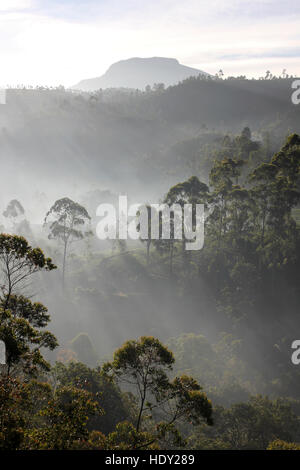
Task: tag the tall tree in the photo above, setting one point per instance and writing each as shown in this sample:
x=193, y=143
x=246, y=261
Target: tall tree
x=68, y=222
x=18, y=263
x=191, y=191
x=14, y=212
x=14, y=209
x=22, y=322
x=144, y=364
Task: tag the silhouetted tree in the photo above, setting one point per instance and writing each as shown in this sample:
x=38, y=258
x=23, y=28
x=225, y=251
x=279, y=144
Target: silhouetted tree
x=68, y=222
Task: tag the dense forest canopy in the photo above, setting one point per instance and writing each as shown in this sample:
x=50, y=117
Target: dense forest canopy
x=113, y=137
x=150, y=346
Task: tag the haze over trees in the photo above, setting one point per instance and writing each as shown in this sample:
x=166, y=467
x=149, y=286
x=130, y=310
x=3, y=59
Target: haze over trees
x=202, y=339
x=68, y=223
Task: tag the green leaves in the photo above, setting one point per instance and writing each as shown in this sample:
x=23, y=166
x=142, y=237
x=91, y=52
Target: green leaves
x=14, y=209
x=190, y=191
x=19, y=323
x=65, y=218
x=64, y=420
x=21, y=319
x=14, y=247
x=139, y=358
x=19, y=261
x=145, y=364
x=67, y=222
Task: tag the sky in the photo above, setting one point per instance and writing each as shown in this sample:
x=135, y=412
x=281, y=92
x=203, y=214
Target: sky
x=51, y=42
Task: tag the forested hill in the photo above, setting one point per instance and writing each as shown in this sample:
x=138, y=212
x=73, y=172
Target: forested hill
x=239, y=294
x=202, y=101
x=130, y=136
x=215, y=102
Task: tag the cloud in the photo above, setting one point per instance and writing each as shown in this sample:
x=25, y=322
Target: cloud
x=13, y=5
x=282, y=53
x=53, y=42
x=191, y=10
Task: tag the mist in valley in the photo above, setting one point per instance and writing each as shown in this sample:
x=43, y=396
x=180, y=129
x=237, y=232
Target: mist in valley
x=92, y=147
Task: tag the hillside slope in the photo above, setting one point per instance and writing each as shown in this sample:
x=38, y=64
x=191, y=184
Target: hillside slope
x=138, y=73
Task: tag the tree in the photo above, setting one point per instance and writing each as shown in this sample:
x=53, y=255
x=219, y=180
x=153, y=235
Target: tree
x=63, y=421
x=13, y=401
x=67, y=223
x=148, y=241
x=283, y=445
x=22, y=321
x=126, y=437
x=22, y=326
x=144, y=365
x=20, y=404
x=14, y=210
x=254, y=424
x=84, y=349
x=158, y=87
x=106, y=393
x=276, y=191
x=15, y=213
x=191, y=191
x=221, y=179
x=18, y=262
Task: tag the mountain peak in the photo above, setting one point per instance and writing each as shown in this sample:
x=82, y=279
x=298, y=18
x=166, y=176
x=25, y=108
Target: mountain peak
x=138, y=72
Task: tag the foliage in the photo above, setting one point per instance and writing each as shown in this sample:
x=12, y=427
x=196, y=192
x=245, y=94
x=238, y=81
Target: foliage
x=64, y=420
x=22, y=321
x=84, y=349
x=108, y=396
x=21, y=329
x=250, y=425
x=68, y=223
x=19, y=261
x=282, y=445
x=144, y=364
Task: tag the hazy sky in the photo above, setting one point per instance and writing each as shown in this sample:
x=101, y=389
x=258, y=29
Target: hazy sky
x=60, y=42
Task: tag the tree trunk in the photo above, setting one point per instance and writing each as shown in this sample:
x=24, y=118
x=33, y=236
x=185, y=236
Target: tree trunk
x=64, y=265
x=140, y=415
x=148, y=253
x=171, y=259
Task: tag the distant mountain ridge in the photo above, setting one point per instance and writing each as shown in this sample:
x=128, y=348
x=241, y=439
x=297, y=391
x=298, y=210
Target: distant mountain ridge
x=140, y=72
